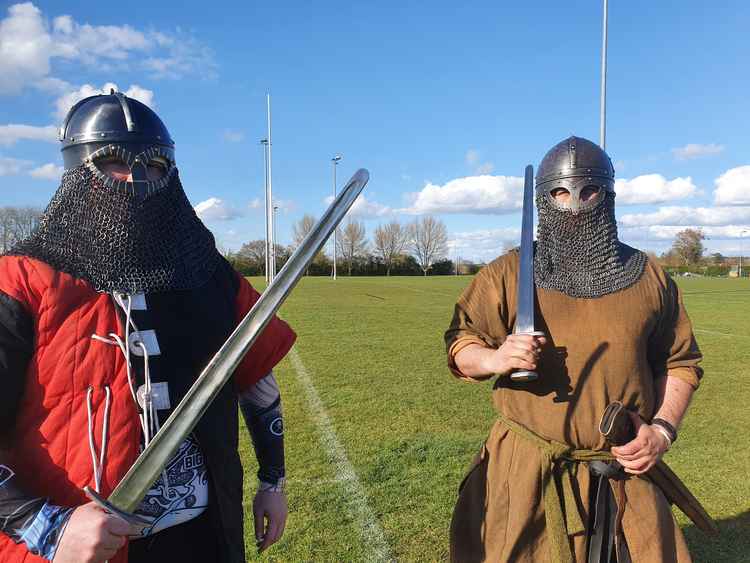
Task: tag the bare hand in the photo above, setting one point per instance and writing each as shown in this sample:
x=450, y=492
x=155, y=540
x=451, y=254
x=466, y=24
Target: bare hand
x=91, y=536
x=519, y=351
x=641, y=454
x=269, y=506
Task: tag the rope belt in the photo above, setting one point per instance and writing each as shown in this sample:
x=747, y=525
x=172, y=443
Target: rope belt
x=560, y=507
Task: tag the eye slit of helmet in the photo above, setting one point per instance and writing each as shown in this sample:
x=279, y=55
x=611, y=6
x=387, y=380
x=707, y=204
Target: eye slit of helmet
x=589, y=192
x=114, y=167
x=560, y=195
x=157, y=168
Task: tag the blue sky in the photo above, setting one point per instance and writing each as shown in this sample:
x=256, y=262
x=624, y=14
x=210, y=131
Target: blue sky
x=444, y=103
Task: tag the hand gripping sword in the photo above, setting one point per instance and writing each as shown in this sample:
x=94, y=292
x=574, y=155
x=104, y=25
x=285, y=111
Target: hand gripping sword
x=131, y=490
x=526, y=290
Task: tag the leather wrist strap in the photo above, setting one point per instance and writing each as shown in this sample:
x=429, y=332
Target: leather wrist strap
x=670, y=430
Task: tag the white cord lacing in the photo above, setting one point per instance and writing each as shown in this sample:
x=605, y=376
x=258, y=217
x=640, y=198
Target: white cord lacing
x=98, y=465
x=148, y=416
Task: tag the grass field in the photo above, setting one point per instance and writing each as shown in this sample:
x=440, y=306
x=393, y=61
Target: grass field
x=379, y=435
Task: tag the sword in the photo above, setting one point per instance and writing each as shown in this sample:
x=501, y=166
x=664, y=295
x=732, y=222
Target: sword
x=525, y=308
x=131, y=490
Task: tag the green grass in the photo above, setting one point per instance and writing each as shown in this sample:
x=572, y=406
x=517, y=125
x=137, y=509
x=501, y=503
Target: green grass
x=374, y=350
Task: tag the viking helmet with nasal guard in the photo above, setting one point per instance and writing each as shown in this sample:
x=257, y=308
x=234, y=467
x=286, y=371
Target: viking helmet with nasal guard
x=574, y=164
x=114, y=126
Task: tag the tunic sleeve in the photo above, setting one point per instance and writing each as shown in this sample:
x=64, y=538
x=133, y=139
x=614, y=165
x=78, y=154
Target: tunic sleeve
x=270, y=347
x=17, y=298
x=673, y=350
x=480, y=315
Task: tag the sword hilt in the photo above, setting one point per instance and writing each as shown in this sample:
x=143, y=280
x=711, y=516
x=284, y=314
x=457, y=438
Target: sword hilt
x=138, y=523
x=525, y=374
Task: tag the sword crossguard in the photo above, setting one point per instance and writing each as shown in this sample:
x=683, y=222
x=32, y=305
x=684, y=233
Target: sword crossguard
x=134, y=520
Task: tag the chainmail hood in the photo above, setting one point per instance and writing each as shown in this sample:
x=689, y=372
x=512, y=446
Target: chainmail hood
x=121, y=241
x=578, y=253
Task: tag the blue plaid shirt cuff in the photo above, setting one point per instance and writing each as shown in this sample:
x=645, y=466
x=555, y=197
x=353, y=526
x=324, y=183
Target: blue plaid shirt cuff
x=42, y=536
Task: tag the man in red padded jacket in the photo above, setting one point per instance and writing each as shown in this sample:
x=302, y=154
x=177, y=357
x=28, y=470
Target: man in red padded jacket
x=108, y=313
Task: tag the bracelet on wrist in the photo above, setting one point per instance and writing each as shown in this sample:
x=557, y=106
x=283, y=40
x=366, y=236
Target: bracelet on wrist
x=670, y=430
x=664, y=433
x=277, y=487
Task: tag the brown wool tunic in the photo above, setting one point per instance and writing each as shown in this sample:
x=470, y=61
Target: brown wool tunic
x=600, y=350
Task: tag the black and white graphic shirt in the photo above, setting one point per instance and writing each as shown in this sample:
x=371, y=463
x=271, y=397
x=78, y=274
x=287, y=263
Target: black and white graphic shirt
x=180, y=494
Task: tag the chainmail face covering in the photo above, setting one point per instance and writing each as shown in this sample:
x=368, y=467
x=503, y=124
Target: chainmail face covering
x=579, y=254
x=120, y=241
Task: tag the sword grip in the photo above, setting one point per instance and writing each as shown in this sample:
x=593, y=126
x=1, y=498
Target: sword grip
x=525, y=374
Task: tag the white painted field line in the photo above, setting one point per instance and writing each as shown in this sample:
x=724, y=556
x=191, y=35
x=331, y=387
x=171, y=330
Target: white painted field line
x=706, y=331
x=372, y=533
x=428, y=291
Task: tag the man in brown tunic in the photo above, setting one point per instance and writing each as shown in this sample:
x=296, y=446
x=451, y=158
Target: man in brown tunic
x=616, y=330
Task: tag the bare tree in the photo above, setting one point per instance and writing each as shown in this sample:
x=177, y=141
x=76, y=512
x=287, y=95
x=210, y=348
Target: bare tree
x=6, y=228
x=302, y=228
x=688, y=245
x=390, y=240
x=429, y=241
x=17, y=223
x=351, y=242
x=254, y=253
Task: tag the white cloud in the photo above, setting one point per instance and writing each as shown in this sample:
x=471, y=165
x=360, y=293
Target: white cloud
x=181, y=55
x=13, y=166
x=364, y=208
x=653, y=188
x=485, y=168
x=688, y=217
x=733, y=187
x=25, y=48
x=29, y=46
x=233, y=136
x=667, y=232
x=67, y=100
x=283, y=205
x=12, y=133
x=49, y=171
x=369, y=209
x=473, y=194
x=216, y=209
x=694, y=150
x=473, y=157
x=483, y=245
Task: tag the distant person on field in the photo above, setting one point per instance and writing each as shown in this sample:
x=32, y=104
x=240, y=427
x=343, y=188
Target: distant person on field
x=615, y=330
x=108, y=313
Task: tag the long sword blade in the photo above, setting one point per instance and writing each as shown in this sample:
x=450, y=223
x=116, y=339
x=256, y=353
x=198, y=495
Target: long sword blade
x=130, y=491
x=525, y=310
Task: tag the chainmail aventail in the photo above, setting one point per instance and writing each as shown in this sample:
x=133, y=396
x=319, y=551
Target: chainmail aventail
x=121, y=242
x=580, y=255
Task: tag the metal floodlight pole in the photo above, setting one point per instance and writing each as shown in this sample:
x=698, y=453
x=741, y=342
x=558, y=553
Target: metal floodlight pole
x=334, y=162
x=275, y=209
x=603, y=100
x=267, y=270
x=269, y=203
x=739, y=265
